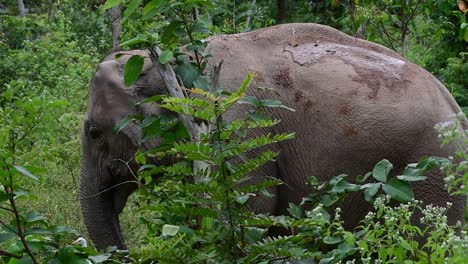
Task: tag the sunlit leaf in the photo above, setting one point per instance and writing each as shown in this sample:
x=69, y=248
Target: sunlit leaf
x=130, y=9
x=23, y=171
x=170, y=230
x=110, y=4
x=165, y=57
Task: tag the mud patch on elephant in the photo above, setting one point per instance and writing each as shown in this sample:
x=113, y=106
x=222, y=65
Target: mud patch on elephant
x=344, y=109
x=350, y=132
x=308, y=104
x=298, y=96
x=371, y=82
x=282, y=77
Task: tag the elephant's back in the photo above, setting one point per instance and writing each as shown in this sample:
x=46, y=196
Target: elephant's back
x=356, y=102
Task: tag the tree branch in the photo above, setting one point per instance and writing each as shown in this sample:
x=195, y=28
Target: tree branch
x=195, y=130
x=8, y=254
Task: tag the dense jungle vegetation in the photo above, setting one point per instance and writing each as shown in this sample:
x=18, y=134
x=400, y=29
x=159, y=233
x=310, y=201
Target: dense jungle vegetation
x=49, y=50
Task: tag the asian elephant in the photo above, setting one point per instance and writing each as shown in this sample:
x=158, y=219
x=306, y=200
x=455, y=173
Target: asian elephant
x=356, y=103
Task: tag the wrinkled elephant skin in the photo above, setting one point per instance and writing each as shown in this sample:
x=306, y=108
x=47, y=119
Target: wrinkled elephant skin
x=356, y=103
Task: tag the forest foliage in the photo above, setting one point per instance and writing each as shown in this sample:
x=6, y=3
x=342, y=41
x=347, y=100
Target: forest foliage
x=48, y=56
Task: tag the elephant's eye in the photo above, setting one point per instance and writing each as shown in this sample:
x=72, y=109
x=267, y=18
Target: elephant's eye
x=94, y=132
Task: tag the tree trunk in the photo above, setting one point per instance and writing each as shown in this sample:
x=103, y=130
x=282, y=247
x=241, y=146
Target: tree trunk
x=115, y=14
x=282, y=13
x=22, y=9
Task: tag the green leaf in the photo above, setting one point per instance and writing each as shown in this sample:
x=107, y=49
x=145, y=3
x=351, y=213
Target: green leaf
x=251, y=100
x=57, y=103
x=313, y=181
x=32, y=217
x=243, y=198
x=295, y=211
x=371, y=190
x=275, y=103
x=165, y=57
x=343, y=186
x=110, y=4
x=170, y=230
x=5, y=197
x=201, y=83
x=141, y=38
x=155, y=98
x=5, y=236
x=381, y=170
x=132, y=69
x=23, y=171
x=187, y=73
x=130, y=9
x=122, y=124
x=169, y=36
x=332, y=240
x=100, y=258
x=409, y=178
x=151, y=9
x=399, y=190
x=329, y=199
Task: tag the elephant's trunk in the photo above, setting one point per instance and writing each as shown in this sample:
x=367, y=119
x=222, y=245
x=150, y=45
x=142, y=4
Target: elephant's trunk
x=100, y=216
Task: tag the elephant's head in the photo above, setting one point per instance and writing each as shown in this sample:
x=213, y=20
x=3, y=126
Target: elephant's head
x=108, y=168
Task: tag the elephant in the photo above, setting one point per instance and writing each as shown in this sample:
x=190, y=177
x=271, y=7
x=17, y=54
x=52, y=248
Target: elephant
x=356, y=103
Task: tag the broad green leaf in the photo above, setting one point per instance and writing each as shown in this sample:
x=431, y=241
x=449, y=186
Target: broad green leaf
x=202, y=83
x=371, y=190
x=64, y=230
x=130, y=9
x=149, y=120
x=32, y=217
x=23, y=171
x=381, y=170
x=343, y=186
x=243, y=198
x=409, y=178
x=181, y=132
x=169, y=36
x=132, y=69
x=295, y=211
x=313, y=181
x=155, y=98
x=332, y=240
x=122, y=124
x=170, y=230
x=251, y=100
x=100, y=258
x=329, y=199
x=110, y=4
x=141, y=38
x=275, y=103
x=187, y=73
x=165, y=57
x=399, y=190
x=151, y=9
x=5, y=236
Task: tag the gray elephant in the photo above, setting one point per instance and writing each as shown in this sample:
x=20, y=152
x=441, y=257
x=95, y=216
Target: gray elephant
x=356, y=103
